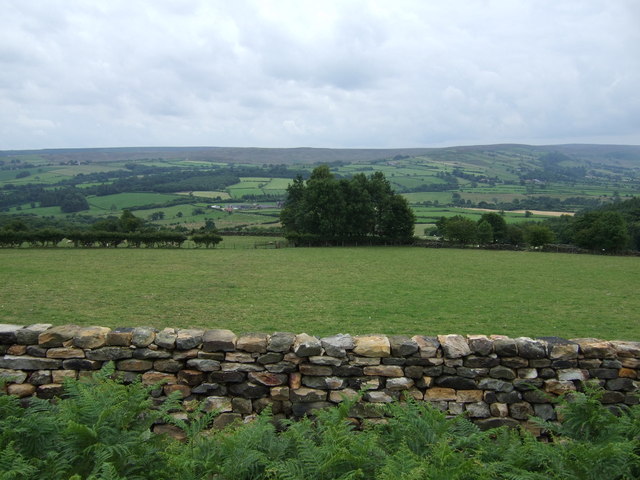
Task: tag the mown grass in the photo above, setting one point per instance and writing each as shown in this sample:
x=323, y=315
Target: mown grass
x=326, y=290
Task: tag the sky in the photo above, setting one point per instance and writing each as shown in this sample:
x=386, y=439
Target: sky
x=318, y=73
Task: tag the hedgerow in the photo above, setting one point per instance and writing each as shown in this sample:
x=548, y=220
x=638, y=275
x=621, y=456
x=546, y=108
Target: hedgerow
x=101, y=429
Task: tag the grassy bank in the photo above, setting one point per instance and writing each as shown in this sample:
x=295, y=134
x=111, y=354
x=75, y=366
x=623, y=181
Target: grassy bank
x=325, y=291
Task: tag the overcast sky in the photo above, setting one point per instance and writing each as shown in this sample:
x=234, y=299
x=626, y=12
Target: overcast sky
x=345, y=73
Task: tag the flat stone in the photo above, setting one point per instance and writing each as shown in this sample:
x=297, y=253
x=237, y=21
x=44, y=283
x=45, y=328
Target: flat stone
x=457, y=383
x=537, y=396
x=253, y=342
x=8, y=334
x=595, y=348
x=505, y=347
x=472, y=372
x=307, y=346
x=337, y=345
x=527, y=373
x=304, y=394
x=530, y=348
x=219, y=340
x=29, y=335
x=402, y=345
x=239, y=357
x=270, y=358
x=109, y=353
x=281, y=367
x=324, y=383
x=627, y=349
x=356, y=361
x=495, y=385
x=568, y=351
x=204, y=365
x=316, y=370
x=401, y=383
x=325, y=360
x=42, y=377
x=384, y=371
x=134, y=365
x=189, y=338
x=166, y=338
x=268, y=379
x=494, y=422
x=521, y=410
x=209, y=389
x=184, y=390
x=515, y=362
x=573, y=374
x=473, y=361
x=153, y=378
x=378, y=397
x=477, y=410
x=227, y=377
x=64, y=352
x=241, y=367
x=480, y=344
x=242, y=405
x=25, y=362
x=339, y=396
x=559, y=387
x=21, y=390
x=56, y=336
x=91, y=337
x=623, y=384
x=143, y=336
x=16, y=349
x=348, y=371
x=81, y=364
x=120, y=337
x=249, y=390
x=438, y=394
x=219, y=404
x=469, y=396
x=281, y=342
x=12, y=376
x=628, y=373
x=148, y=354
x=60, y=376
x=280, y=393
x=609, y=397
x=454, y=346
x=502, y=372
x=372, y=346
x=50, y=390
x=190, y=377
x=428, y=346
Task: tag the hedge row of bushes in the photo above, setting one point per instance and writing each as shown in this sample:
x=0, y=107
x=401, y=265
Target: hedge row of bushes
x=104, y=239
x=101, y=429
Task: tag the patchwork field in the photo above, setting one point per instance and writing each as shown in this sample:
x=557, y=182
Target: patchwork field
x=328, y=290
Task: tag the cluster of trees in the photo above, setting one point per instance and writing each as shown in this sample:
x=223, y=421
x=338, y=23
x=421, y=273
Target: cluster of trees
x=492, y=228
x=360, y=209
x=111, y=232
x=611, y=228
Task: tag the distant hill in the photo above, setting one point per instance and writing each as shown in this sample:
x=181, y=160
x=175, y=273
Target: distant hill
x=617, y=155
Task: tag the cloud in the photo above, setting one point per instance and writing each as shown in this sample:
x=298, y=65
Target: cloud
x=332, y=73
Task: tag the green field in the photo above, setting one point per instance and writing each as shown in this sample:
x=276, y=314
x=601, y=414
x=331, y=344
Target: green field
x=326, y=290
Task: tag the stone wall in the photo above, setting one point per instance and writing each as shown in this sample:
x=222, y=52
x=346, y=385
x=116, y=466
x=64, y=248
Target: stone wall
x=494, y=380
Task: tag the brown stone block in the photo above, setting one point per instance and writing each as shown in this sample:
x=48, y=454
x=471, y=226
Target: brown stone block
x=91, y=337
x=50, y=390
x=21, y=390
x=153, y=378
x=438, y=394
x=253, y=342
x=17, y=350
x=295, y=380
x=133, y=365
x=65, y=353
x=190, y=377
x=316, y=370
x=469, y=396
x=372, y=346
x=627, y=373
x=184, y=390
x=280, y=393
x=304, y=394
x=56, y=336
x=384, y=371
x=59, y=376
x=268, y=379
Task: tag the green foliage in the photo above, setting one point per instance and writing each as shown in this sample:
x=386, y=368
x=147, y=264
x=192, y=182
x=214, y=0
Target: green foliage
x=538, y=235
x=328, y=210
x=100, y=430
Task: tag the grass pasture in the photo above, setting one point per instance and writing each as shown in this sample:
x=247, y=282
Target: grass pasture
x=326, y=290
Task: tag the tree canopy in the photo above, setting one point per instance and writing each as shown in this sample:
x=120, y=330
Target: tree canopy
x=325, y=209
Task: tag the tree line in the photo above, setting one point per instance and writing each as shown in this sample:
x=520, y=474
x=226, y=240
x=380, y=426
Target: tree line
x=327, y=210
x=112, y=232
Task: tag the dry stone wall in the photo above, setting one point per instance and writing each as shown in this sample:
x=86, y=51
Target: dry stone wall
x=494, y=380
